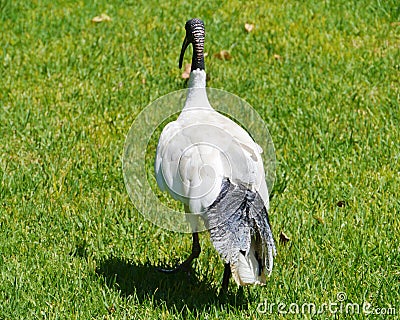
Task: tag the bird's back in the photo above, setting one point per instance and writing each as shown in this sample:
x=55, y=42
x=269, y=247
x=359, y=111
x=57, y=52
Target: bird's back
x=201, y=148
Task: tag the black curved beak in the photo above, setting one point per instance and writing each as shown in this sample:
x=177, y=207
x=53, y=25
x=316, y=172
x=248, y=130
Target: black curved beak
x=184, y=46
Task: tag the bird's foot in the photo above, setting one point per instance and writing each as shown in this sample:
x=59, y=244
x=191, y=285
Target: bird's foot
x=185, y=266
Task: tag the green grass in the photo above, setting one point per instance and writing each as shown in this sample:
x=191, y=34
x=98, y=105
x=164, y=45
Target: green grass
x=324, y=75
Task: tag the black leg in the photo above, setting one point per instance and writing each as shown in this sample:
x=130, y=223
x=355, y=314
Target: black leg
x=225, y=279
x=186, y=265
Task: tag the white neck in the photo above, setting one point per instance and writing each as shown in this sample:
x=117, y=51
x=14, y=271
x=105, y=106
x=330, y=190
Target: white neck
x=197, y=95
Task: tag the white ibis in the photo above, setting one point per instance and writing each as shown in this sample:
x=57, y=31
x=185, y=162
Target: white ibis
x=215, y=168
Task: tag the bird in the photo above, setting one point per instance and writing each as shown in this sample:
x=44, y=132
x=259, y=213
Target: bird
x=212, y=165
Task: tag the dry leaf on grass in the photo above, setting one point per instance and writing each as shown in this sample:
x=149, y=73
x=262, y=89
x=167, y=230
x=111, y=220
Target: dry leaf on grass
x=283, y=238
x=277, y=57
x=186, y=72
x=319, y=219
x=223, y=55
x=249, y=27
x=341, y=203
x=101, y=18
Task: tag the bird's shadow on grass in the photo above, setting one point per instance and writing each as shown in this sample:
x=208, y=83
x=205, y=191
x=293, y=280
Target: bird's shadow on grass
x=177, y=291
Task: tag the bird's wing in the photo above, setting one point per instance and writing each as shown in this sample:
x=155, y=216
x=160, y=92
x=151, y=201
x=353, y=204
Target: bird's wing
x=246, y=158
x=169, y=130
x=187, y=166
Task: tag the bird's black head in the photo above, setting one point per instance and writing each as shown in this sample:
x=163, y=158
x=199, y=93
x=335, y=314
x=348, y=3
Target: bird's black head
x=195, y=34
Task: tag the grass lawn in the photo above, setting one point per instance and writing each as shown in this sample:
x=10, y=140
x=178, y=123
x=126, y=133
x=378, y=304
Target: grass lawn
x=324, y=76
